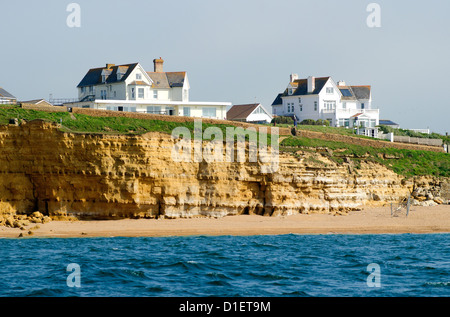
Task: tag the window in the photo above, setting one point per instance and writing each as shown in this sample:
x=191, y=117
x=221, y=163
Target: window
x=133, y=95
x=260, y=110
x=83, y=90
x=344, y=122
x=315, y=105
x=290, y=91
x=330, y=90
x=209, y=112
x=91, y=89
x=119, y=75
x=299, y=100
x=344, y=105
x=141, y=93
x=155, y=94
x=132, y=109
x=138, y=76
x=362, y=105
x=301, y=107
x=102, y=94
x=330, y=105
x=114, y=94
x=154, y=109
x=186, y=111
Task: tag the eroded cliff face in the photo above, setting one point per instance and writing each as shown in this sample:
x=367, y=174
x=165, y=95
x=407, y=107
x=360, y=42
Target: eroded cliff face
x=113, y=176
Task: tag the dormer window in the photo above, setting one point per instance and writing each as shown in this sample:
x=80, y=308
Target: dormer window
x=290, y=91
x=119, y=76
x=103, y=78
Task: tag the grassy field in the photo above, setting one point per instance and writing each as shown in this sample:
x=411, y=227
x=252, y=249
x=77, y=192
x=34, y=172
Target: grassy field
x=403, y=162
x=79, y=123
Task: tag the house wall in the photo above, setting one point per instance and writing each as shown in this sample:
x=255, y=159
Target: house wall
x=195, y=110
x=324, y=97
x=177, y=94
x=259, y=117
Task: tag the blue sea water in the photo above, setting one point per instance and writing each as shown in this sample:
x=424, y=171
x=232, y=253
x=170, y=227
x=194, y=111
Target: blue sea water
x=263, y=265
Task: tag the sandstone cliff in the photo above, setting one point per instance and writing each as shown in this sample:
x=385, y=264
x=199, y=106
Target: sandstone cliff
x=112, y=176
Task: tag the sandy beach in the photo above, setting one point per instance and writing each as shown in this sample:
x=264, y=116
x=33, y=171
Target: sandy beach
x=378, y=220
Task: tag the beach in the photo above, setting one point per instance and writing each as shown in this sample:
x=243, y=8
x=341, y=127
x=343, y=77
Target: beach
x=435, y=219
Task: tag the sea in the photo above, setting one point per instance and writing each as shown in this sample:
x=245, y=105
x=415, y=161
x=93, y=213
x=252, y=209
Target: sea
x=291, y=265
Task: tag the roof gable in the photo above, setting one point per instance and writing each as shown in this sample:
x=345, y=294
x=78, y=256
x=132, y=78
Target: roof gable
x=361, y=92
x=167, y=79
x=4, y=93
x=302, y=86
x=94, y=75
x=241, y=111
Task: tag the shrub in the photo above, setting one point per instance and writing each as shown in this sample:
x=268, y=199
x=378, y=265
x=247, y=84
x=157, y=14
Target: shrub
x=283, y=119
x=308, y=122
x=317, y=122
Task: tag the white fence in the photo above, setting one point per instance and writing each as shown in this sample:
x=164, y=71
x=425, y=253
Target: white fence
x=407, y=139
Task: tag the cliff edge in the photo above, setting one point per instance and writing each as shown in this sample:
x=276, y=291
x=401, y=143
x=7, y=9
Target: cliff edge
x=105, y=176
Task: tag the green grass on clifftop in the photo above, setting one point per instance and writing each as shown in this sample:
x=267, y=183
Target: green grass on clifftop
x=80, y=123
x=401, y=161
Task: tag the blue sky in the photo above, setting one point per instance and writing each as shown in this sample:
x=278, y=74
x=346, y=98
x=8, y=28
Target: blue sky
x=239, y=51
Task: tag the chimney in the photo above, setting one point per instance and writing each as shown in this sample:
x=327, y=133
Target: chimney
x=158, y=65
x=294, y=77
x=311, y=84
x=341, y=83
x=108, y=66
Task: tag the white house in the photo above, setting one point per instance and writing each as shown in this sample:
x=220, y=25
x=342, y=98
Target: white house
x=254, y=113
x=6, y=97
x=321, y=98
x=130, y=88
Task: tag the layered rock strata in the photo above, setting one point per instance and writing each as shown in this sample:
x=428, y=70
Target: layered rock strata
x=104, y=176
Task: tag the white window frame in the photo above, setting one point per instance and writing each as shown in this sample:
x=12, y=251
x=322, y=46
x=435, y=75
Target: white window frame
x=209, y=112
x=141, y=93
x=329, y=90
x=138, y=76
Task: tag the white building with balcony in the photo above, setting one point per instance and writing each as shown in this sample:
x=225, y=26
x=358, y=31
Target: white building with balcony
x=321, y=98
x=130, y=88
